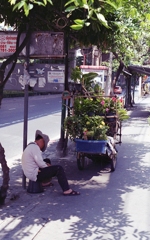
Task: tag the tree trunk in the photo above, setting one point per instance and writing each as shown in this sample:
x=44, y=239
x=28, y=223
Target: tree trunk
x=109, y=77
x=128, y=92
x=1, y=95
x=1, y=84
x=120, y=68
x=5, y=170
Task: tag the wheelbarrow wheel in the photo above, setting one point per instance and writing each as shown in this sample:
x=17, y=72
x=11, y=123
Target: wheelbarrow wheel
x=113, y=162
x=80, y=161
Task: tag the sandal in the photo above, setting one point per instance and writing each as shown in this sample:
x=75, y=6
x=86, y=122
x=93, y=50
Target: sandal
x=73, y=193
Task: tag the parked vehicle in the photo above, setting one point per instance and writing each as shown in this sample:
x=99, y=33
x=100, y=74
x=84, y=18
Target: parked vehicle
x=117, y=90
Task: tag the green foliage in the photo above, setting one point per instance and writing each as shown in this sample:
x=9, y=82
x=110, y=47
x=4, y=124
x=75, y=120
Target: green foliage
x=90, y=119
x=128, y=32
x=88, y=79
x=83, y=106
x=119, y=26
x=98, y=105
x=97, y=88
x=76, y=74
x=28, y=5
x=85, y=79
x=122, y=114
x=93, y=10
x=86, y=127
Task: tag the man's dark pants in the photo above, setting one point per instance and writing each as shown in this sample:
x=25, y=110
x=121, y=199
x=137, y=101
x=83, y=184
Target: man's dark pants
x=54, y=171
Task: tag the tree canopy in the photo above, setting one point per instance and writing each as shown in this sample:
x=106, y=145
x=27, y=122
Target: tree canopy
x=120, y=26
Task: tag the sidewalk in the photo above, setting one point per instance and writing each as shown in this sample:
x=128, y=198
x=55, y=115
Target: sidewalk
x=111, y=206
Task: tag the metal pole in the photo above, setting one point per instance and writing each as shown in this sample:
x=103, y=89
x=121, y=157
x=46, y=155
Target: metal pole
x=25, y=117
x=63, y=112
x=25, y=129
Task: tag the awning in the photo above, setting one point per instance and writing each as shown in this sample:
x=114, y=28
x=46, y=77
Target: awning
x=139, y=69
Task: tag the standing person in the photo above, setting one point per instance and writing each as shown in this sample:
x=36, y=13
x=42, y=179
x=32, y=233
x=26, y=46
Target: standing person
x=35, y=168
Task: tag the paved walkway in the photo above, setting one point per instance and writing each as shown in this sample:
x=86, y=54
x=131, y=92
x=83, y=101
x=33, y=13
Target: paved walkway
x=112, y=206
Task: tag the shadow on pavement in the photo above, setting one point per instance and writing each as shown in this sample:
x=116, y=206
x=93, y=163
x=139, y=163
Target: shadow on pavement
x=99, y=212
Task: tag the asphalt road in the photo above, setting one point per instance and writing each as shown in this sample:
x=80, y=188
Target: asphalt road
x=44, y=113
x=12, y=109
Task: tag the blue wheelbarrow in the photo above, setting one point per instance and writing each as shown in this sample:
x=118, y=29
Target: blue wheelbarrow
x=92, y=149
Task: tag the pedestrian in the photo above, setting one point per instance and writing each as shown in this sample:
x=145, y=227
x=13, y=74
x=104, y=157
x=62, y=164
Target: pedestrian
x=35, y=169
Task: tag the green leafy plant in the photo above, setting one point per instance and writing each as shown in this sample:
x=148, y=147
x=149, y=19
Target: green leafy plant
x=86, y=79
x=86, y=127
x=122, y=114
x=98, y=105
x=84, y=105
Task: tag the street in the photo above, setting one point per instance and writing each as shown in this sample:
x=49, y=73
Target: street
x=73, y=47
x=112, y=206
x=44, y=114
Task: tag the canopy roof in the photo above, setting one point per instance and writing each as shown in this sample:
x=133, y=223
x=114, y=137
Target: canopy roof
x=139, y=69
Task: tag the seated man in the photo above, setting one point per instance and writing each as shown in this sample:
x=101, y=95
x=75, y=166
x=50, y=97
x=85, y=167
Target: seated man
x=35, y=168
x=47, y=182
